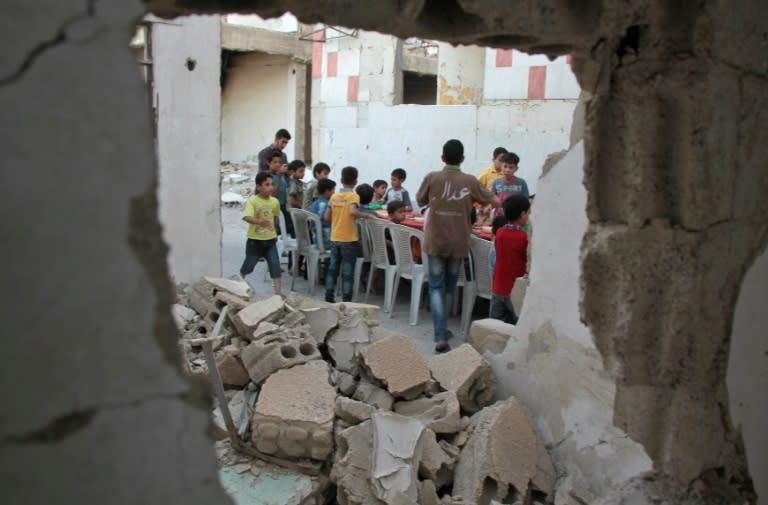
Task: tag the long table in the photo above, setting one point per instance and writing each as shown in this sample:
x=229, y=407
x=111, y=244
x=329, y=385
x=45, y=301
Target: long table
x=416, y=220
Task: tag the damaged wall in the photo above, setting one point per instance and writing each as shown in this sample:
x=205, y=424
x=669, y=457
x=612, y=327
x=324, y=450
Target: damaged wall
x=97, y=410
x=186, y=66
x=675, y=173
x=551, y=363
x=258, y=98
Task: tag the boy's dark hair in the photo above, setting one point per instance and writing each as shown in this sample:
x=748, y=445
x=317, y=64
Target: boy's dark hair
x=379, y=182
x=319, y=167
x=274, y=153
x=282, y=133
x=514, y=205
x=399, y=173
x=296, y=164
x=365, y=192
x=349, y=175
x=453, y=152
x=511, y=158
x=324, y=185
x=394, y=206
x=261, y=177
x=498, y=151
x=497, y=223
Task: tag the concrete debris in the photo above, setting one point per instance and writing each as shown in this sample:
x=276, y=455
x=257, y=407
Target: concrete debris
x=351, y=470
x=490, y=335
x=371, y=313
x=347, y=341
x=234, y=302
x=396, y=453
x=428, y=493
x=397, y=363
x=438, y=460
x=240, y=408
x=441, y=412
x=380, y=333
x=345, y=383
x=464, y=371
x=262, y=330
x=321, y=320
x=231, y=198
x=209, y=286
x=294, y=413
x=249, y=318
x=182, y=315
x=230, y=367
x=353, y=411
x=503, y=458
x=373, y=395
x=267, y=355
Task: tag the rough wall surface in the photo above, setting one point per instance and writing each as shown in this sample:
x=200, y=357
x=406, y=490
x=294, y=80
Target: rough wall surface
x=675, y=157
x=97, y=410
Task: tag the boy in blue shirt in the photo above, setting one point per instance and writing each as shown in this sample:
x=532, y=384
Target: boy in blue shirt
x=325, y=188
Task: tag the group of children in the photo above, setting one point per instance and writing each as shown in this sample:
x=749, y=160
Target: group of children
x=280, y=188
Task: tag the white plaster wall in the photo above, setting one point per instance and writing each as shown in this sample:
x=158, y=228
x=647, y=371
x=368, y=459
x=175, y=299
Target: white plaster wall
x=550, y=362
x=189, y=142
x=285, y=23
x=377, y=138
x=258, y=98
x=748, y=371
x=96, y=409
x=460, y=71
x=511, y=83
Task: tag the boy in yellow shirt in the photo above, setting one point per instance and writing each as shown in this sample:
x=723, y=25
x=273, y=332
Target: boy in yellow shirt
x=345, y=246
x=261, y=212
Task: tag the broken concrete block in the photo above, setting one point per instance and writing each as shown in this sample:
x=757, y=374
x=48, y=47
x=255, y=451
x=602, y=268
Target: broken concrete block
x=347, y=340
x=294, y=413
x=234, y=302
x=397, y=448
x=428, y=493
x=368, y=312
x=249, y=318
x=353, y=411
x=263, y=329
x=301, y=302
x=503, y=456
x=490, y=335
x=373, y=395
x=350, y=471
x=321, y=320
x=200, y=303
x=291, y=319
x=182, y=315
x=209, y=286
x=265, y=356
x=380, y=333
x=441, y=412
x=231, y=370
x=438, y=460
x=240, y=408
x=345, y=383
x=466, y=372
x=397, y=363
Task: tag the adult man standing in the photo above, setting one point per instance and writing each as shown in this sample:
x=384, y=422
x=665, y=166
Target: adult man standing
x=492, y=172
x=450, y=195
x=282, y=137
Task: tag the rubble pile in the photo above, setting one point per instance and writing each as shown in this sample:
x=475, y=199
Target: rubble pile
x=237, y=181
x=324, y=389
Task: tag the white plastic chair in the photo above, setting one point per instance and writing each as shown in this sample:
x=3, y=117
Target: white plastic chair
x=380, y=261
x=479, y=249
x=407, y=268
x=365, y=243
x=313, y=252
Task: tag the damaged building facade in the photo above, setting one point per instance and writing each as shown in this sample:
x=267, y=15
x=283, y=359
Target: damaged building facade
x=666, y=282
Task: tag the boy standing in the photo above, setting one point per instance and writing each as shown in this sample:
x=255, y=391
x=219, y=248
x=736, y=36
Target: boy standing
x=326, y=188
x=319, y=172
x=511, y=246
x=508, y=184
x=365, y=192
x=450, y=195
x=345, y=246
x=397, y=191
x=494, y=171
x=297, y=168
x=261, y=212
x=282, y=137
